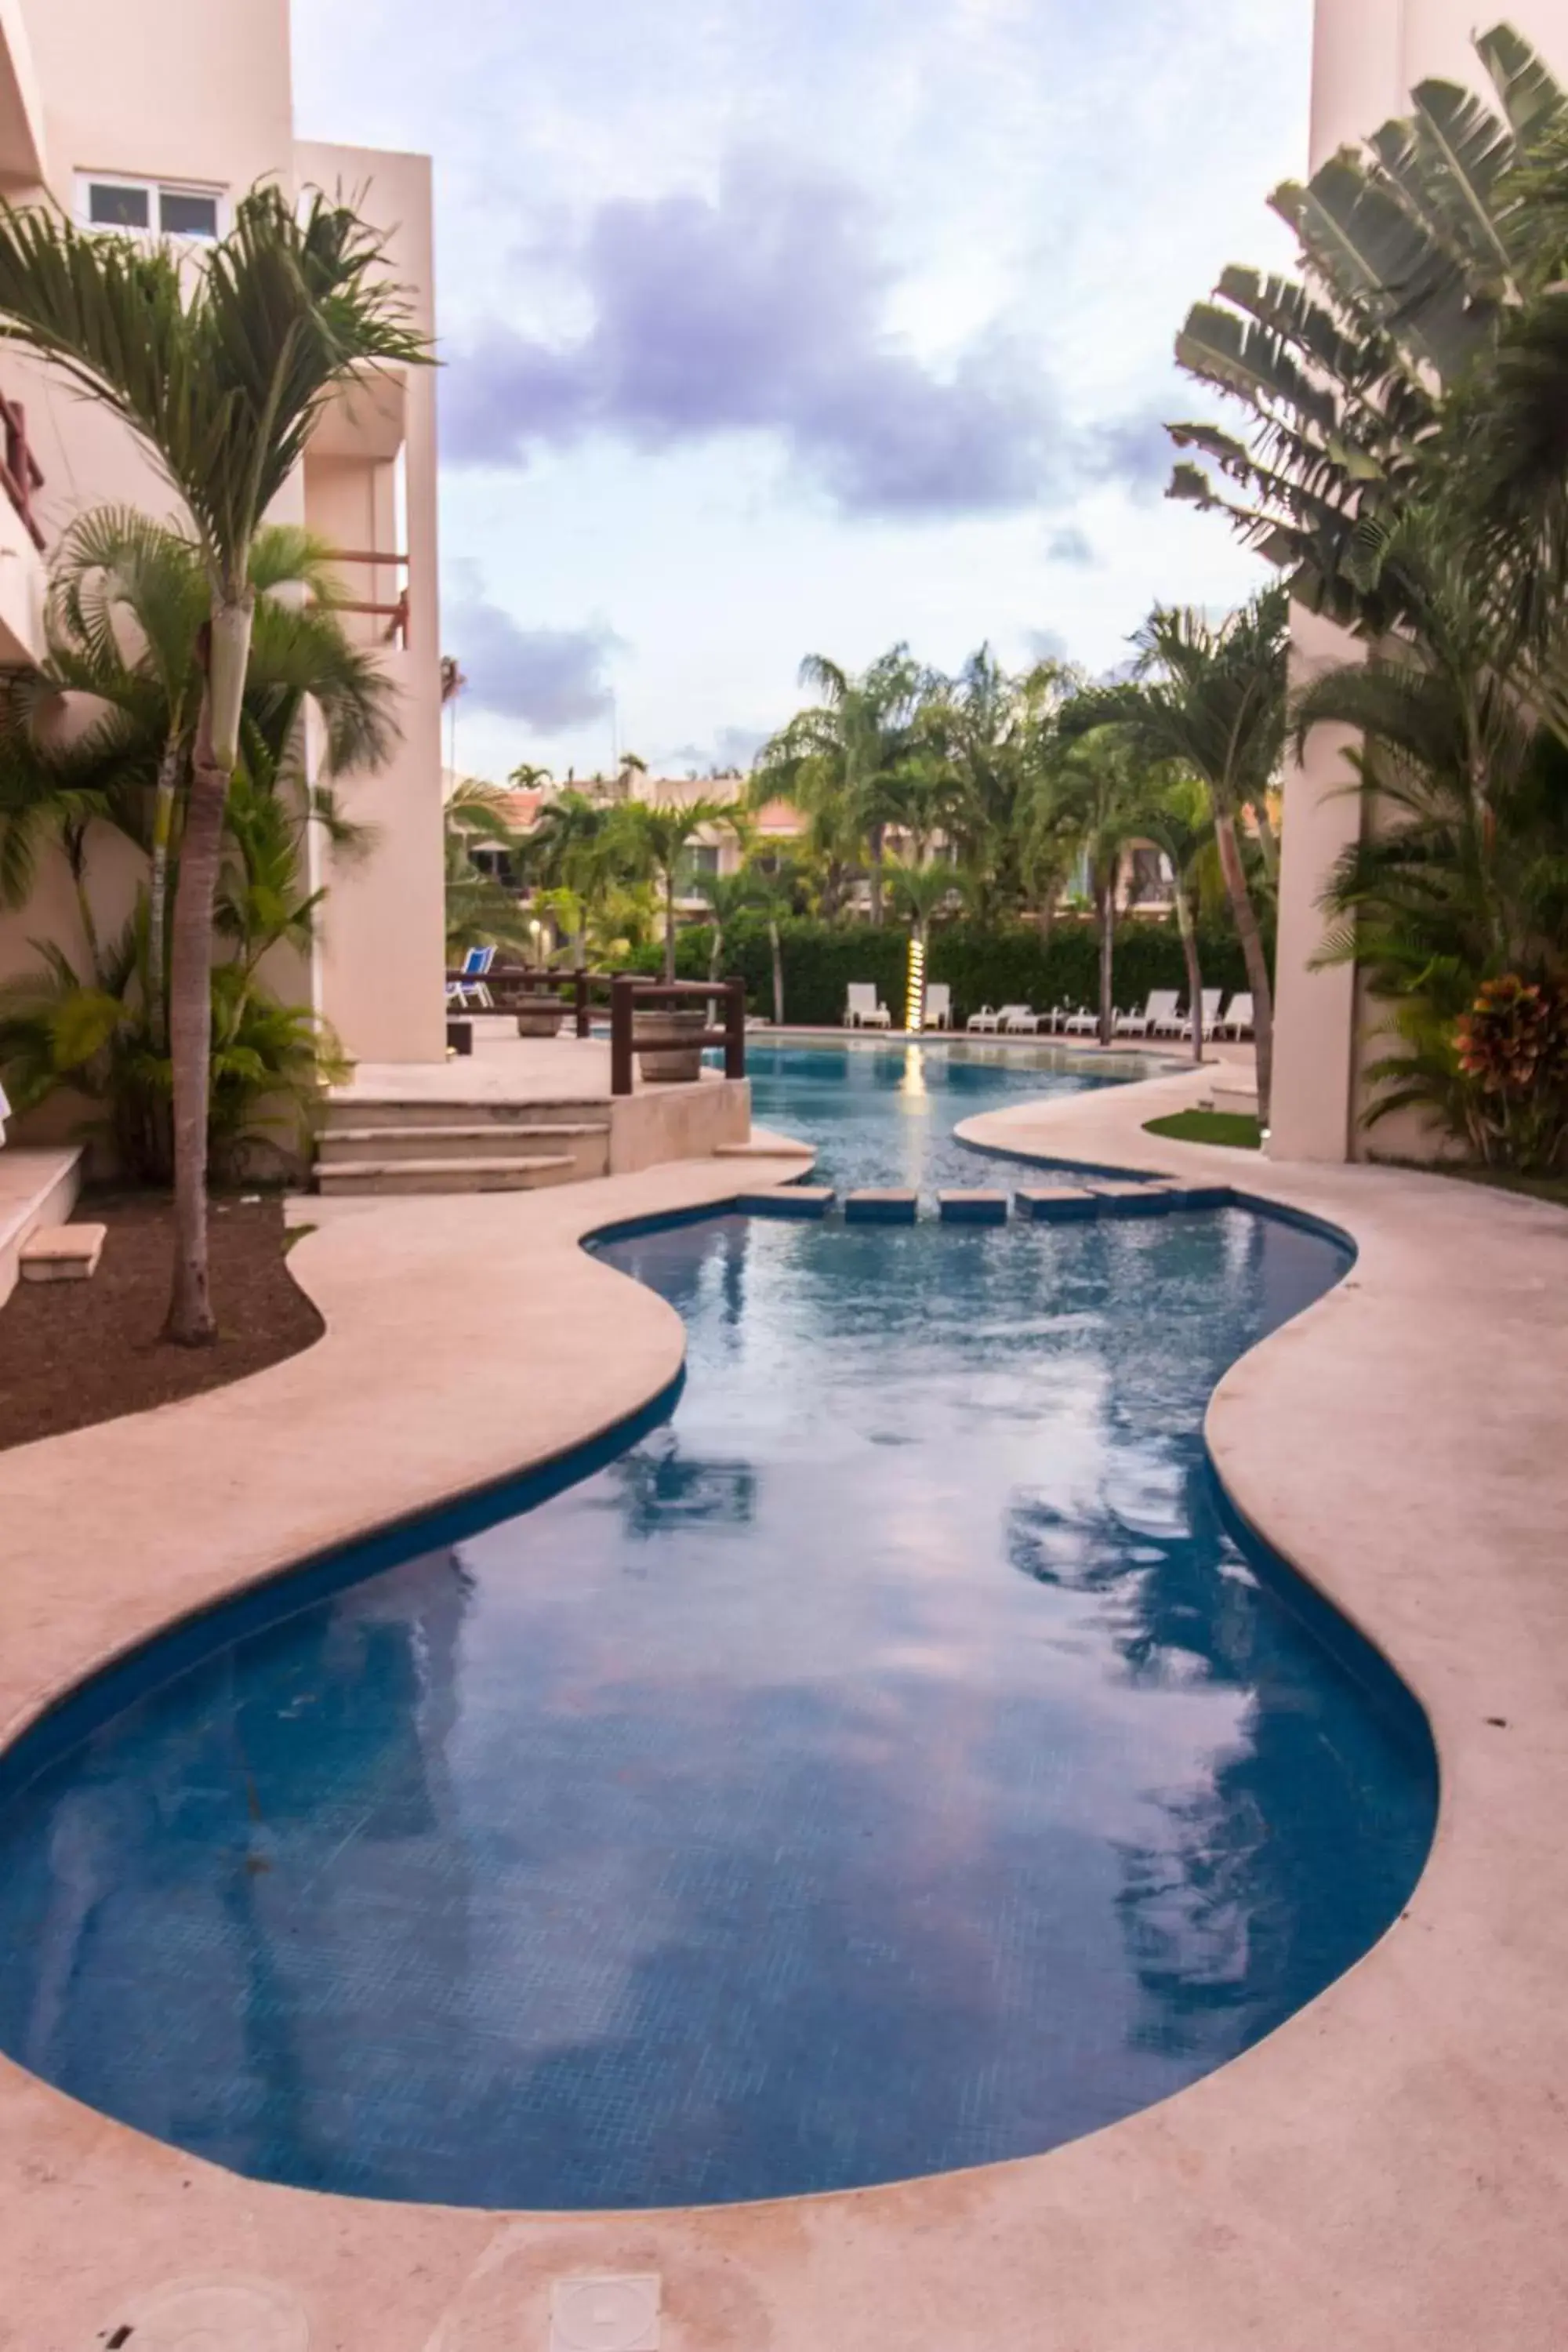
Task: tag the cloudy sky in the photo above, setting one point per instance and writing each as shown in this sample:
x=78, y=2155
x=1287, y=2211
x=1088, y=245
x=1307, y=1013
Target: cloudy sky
x=774, y=326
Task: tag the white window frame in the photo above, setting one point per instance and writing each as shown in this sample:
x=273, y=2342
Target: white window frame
x=155, y=191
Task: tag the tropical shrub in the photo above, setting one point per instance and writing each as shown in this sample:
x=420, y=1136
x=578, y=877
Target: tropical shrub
x=98, y=1024
x=1512, y=1053
x=1422, y=256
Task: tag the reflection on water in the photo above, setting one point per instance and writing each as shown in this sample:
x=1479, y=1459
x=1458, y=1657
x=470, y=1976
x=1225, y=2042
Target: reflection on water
x=885, y=1114
x=889, y=1764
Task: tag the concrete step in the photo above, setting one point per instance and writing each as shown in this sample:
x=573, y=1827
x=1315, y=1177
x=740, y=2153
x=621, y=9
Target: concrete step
x=586, y=1141
x=511, y=1175
x=356, y=1111
x=62, y=1253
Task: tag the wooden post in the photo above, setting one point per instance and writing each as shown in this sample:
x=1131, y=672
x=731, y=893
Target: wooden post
x=735, y=1030
x=623, y=992
x=580, y=997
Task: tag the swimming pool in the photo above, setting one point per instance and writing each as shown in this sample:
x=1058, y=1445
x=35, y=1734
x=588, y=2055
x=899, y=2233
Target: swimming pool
x=888, y=1762
x=884, y=1113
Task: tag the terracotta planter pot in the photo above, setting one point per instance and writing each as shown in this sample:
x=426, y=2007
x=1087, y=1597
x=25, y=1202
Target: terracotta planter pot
x=538, y=1017
x=660, y=1036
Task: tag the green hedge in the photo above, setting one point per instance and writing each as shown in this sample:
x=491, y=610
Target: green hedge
x=983, y=965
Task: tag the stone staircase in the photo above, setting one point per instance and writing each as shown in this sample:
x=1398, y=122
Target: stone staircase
x=370, y=1146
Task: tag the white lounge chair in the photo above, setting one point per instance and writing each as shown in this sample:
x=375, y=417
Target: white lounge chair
x=1160, y=1008
x=1081, y=1024
x=1237, y=1022
x=983, y=1022
x=1018, y=1021
x=863, y=1008
x=1208, y=1013
x=468, y=988
x=938, y=1005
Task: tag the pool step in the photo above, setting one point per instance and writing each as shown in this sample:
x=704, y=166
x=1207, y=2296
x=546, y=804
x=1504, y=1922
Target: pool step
x=1056, y=1204
x=517, y=1173
x=881, y=1205
x=1137, y=1200
x=787, y=1201
x=973, y=1205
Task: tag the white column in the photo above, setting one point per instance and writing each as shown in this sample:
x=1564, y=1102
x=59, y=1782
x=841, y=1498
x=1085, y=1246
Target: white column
x=1367, y=56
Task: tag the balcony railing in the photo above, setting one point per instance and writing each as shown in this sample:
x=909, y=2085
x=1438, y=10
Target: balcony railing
x=20, y=472
x=395, y=615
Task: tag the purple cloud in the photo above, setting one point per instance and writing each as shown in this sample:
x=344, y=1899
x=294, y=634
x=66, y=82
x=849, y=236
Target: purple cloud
x=731, y=748
x=552, y=678
x=1070, y=546
x=765, y=311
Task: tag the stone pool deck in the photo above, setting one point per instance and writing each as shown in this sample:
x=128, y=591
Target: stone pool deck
x=1387, y=2171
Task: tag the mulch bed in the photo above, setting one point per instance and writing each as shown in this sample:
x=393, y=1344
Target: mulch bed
x=75, y=1353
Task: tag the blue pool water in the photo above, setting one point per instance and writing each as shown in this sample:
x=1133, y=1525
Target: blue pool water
x=888, y=1762
x=883, y=1114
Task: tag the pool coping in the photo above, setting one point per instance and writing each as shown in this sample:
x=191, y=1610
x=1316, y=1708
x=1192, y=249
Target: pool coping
x=1387, y=2169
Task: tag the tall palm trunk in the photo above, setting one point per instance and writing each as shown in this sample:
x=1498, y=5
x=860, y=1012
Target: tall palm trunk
x=1107, y=955
x=226, y=653
x=158, y=887
x=1257, y=963
x=777, y=945
x=875, y=838
x=716, y=952
x=76, y=858
x=1188, y=929
x=1268, y=841
x=670, y=922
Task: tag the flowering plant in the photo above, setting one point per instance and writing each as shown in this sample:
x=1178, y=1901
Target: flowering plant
x=1512, y=1049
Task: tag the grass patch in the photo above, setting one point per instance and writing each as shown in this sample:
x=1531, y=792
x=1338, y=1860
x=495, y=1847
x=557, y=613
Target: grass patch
x=1236, y=1130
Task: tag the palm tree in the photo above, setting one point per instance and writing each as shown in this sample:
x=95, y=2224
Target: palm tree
x=920, y=892
x=221, y=371
x=575, y=854
x=113, y=644
x=771, y=889
x=123, y=624
x=997, y=732
x=1212, y=701
x=1098, y=804
x=655, y=837
x=480, y=910
x=1464, y=880
x=727, y=895
x=1175, y=818
x=838, y=760
x=1420, y=256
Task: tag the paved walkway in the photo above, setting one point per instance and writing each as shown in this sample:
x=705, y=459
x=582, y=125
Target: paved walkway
x=1387, y=2172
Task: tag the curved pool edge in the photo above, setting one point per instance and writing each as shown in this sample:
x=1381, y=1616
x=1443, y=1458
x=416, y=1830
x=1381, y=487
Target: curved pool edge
x=1408, y=2107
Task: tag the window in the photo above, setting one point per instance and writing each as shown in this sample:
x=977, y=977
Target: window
x=149, y=205
x=705, y=859
x=110, y=206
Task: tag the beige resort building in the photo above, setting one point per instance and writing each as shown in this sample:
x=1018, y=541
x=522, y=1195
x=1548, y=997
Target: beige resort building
x=155, y=117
